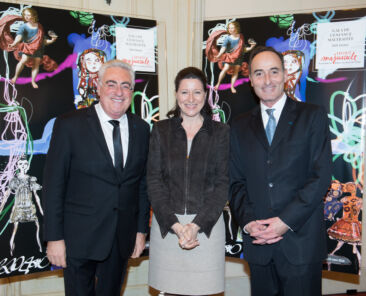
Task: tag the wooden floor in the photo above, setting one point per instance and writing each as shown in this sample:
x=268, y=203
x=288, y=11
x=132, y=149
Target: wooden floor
x=349, y=294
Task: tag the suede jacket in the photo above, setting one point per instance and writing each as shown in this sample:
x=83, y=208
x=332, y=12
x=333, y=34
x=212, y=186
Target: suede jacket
x=194, y=184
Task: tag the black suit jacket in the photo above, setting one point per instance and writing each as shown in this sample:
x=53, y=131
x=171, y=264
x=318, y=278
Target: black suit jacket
x=287, y=179
x=87, y=203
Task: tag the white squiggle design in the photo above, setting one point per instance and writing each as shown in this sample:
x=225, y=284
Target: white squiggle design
x=147, y=110
x=349, y=129
x=99, y=36
x=14, y=135
x=233, y=249
x=296, y=36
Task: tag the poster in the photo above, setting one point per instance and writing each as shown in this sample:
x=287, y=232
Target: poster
x=340, y=91
x=74, y=46
x=341, y=44
x=136, y=47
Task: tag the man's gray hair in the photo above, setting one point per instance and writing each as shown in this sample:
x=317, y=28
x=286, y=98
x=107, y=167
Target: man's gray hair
x=117, y=64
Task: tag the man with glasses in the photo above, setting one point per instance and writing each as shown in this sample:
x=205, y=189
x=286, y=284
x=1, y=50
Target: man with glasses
x=94, y=189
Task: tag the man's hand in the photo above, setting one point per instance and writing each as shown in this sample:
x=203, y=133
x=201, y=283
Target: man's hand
x=273, y=232
x=139, y=245
x=254, y=227
x=56, y=253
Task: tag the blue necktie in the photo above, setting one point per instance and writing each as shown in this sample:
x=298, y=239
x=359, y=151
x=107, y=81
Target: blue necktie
x=117, y=145
x=271, y=125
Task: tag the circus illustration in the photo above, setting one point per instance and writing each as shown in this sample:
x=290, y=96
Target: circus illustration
x=341, y=92
x=35, y=90
x=24, y=187
x=89, y=63
x=293, y=61
x=348, y=228
x=230, y=57
x=332, y=203
x=28, y=45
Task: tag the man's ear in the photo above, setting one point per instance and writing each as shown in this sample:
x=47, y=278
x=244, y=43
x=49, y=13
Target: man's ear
x=98, y=89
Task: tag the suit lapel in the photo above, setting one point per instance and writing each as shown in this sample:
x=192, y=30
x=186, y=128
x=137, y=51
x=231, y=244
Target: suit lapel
x=257, y=126
x=287, y=118
x=131, y=138
x=96, y=129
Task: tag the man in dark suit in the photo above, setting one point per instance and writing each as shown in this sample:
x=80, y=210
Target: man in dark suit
x=280, y=170
x=96, y=206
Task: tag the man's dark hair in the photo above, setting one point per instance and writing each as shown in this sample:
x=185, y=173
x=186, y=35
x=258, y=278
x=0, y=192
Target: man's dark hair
x=259, y=49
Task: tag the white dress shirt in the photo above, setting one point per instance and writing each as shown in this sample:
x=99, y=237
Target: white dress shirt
x=277, y=112
x=107, y=128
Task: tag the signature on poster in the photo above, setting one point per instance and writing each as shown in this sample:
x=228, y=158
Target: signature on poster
x=22, y=264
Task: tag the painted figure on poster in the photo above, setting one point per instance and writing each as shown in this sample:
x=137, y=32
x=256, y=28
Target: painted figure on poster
x=332, y=204
x=230, y=58
x=293, y=61
x=89, y=63
x=24, y=209
x=30, y=42
x=348, y=229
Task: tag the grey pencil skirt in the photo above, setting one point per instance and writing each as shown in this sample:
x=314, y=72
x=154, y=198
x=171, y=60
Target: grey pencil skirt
x=199, y=271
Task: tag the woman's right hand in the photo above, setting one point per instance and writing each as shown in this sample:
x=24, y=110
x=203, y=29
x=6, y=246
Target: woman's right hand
x=178, y=229
x=186, y=238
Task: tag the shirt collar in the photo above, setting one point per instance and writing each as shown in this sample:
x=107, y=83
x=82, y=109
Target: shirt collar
x=103, y=117
x=278, y=106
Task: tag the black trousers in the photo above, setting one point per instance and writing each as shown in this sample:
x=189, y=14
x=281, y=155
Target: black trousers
x=80, y=275
x=281, y=278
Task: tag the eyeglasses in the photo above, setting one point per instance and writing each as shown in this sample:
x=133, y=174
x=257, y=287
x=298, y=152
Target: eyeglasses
x=113, y=86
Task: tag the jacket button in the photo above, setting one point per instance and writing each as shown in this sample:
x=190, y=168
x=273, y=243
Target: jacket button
x=270, y=185
x=269, y=162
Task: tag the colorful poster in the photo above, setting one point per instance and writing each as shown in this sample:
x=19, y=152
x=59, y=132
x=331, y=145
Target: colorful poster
x=342, y=93
x=340, y=44
x=50, y=69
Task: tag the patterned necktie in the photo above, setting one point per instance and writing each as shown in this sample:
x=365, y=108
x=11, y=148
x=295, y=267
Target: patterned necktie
x=117, y=145
x=271, y=125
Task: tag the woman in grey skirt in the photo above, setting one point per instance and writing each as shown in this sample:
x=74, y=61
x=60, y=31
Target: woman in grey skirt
x=187, y=181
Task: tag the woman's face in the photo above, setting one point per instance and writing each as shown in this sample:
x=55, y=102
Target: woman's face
x=232, y=30
x=190, y=97
x=92, y=62
x=291, y=63
x=28, y=17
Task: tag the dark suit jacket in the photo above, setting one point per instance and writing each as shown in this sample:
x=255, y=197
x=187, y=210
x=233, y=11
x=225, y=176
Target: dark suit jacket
x=287, y=179
x=87, y=203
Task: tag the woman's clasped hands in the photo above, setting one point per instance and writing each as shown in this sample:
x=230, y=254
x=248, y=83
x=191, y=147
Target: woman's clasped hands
x=187, y=235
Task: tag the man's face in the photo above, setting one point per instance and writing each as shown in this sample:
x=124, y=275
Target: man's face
x=115, y=91
x=268, y=77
